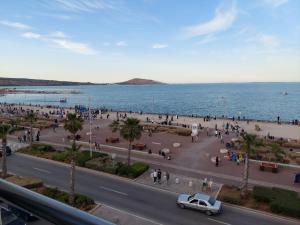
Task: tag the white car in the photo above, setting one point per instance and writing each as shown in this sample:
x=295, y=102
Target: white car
x=202, y=202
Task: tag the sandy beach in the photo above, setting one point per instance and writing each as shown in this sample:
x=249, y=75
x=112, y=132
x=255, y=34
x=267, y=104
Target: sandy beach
x=282, y=130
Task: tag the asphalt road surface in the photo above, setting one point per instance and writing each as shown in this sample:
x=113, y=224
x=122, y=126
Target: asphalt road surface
x=150, y=203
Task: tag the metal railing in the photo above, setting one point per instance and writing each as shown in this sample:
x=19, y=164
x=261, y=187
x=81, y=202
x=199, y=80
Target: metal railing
x=46, y=208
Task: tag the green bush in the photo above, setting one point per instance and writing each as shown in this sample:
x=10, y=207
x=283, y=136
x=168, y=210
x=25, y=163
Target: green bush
x=60, y=156
x=262, y=194
x=43, y=148
x=232, y=198
x=80, y=200
x=139, y=168
x=289, y=207
x=132, y=171
x=84, y=156
x=281, y=201
x=83, y=201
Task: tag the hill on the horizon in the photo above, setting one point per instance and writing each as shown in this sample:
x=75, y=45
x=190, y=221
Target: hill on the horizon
x=4, y=81
x=139, y=81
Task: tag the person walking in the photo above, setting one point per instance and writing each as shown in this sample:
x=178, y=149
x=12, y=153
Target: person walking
x=159, y=176
x=217, y=161
x=154, y=176
x=210, y=184
x=204, y=184
x=167, y=177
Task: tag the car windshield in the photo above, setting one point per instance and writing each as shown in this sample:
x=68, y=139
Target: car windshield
x=212, y=200
x=191, y=197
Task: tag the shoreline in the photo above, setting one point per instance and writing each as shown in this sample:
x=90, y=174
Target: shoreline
x=282, y=130
x=196, y=116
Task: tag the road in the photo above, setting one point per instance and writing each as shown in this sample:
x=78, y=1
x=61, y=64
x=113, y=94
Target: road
x=141, y=200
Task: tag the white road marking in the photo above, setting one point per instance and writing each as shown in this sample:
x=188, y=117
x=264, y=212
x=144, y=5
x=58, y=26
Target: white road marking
x=41, y=170
x=112, y=190
x=219, y=221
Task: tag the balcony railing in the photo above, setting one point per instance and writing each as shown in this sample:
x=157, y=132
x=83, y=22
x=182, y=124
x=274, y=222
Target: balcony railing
x=46, y=208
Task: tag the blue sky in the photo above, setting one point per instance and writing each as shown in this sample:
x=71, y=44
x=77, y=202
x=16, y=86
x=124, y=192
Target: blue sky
x=193, y=41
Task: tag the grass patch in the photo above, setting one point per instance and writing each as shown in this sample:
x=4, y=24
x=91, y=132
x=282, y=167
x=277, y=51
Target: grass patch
x=26, y=182
x=105, y=164
x=81, y=201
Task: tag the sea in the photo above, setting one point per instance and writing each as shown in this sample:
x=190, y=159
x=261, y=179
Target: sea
x=261, y=101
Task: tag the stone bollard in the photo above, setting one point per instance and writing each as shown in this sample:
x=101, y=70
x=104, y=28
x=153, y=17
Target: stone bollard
x=177, y=180
x=190, y=183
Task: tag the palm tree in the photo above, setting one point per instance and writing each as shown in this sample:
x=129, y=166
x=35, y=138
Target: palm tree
x=249, y=144
x=31, y=117
x=73, y=124
x=4, y=131
x=130, y=130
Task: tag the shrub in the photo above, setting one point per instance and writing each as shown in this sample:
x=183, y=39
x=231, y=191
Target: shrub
x=84, y=156
x=139, y=168
x=43, y=148
x=262, y=194
x=289, y=207
x=281, y=201
x=232, y=198
x=60, y=156
x=83, y=201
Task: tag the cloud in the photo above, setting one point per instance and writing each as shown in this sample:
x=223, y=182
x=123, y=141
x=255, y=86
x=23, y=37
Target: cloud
x=224, y=18
x=16, y=25
x=84, y=5
x=31, y=35
x=275, y=3
x=121, y=44
x=58, y=34
x=159, y=46
x=207, y=39
x=76, y=47
x=61, y=40
x=269, y=40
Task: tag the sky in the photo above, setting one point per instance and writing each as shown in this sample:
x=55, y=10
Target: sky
x=173, y=41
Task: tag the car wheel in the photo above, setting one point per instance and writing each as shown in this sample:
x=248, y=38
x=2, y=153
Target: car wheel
x=181, y=206
x=209, y=213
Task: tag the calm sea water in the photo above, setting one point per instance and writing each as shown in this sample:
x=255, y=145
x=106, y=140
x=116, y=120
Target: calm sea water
x=253, y=100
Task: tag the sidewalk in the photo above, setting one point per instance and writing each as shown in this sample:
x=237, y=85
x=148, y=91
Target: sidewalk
x=119, y=217
x=184, y=184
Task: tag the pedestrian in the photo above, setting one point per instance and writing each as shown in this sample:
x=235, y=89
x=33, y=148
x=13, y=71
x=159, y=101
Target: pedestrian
x=204, y=184
x=217, y=161
x=159, y=176
x=222, y=141
x=210, y=184
x=167, y=177
x=154, y=176
x=237, y=161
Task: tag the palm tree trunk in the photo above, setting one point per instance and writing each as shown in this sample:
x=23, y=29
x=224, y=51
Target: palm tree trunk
x=128, y=156
x=72, y=182
x=244, y=188
x=4, y=166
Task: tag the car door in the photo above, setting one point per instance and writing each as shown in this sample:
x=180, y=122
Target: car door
x=202, y=206
x=193, y=203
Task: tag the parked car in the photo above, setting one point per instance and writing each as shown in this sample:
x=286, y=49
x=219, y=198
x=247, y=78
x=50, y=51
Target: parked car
x=8, y=151
x=8, y=218
x=198, y=201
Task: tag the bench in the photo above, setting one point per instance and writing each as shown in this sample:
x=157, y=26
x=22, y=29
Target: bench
x=266, y=165
x=112, y=140
x=139, y=146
